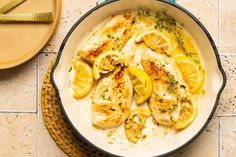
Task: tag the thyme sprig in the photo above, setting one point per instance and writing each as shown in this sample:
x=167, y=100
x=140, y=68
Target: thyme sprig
x=164, y=21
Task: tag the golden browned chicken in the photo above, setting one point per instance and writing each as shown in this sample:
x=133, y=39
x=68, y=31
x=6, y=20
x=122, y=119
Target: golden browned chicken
x=110, y=36
x=164, y=101
x=112, y=99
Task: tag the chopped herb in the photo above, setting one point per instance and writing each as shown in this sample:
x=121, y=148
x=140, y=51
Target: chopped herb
x=171, y=89
x=113, y=109
x=109, y=35
x=70, y=69
x=103, y=96
x=147, y=12
x=172, y=83
x=182, y=86
x=181, y=43
x=165, y=22
x=175, y=106
x=133, y=20
x=106, y=90
x=139, y=13
x=162, y=110
x=196, y=61
x=139, y=119
x=177, y=97
x=120, y=104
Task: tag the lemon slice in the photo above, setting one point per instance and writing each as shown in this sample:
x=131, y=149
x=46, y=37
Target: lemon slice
x=83, y=79
x=142, y=84
x=192, y=73
x=155, y=40
x=135, y=123
x=188, y=113
x=106, y=62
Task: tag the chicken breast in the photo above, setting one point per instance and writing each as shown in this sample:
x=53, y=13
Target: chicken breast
x=165, y=99
x=112, y=99
x=110, y=36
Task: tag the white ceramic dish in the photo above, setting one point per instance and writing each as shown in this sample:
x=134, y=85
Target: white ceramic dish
x=79, y=113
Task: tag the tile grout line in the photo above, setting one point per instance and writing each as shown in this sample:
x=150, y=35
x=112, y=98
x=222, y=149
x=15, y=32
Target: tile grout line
x=219, y=46
x=17, y=112
x=37, y=113
x=219, y=138
x=226, y=116
x=219, y=26
x=227, y=54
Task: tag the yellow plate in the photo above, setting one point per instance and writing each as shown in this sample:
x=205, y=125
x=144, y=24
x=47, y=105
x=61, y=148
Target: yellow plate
x=19, y=42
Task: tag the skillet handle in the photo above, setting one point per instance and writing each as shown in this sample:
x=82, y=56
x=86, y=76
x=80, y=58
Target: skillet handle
x=172, y=1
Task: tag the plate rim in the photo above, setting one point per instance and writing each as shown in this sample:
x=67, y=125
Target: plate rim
x=217, y=56
x=30, y=54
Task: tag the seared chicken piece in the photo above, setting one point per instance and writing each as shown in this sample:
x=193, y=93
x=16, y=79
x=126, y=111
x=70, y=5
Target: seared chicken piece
x=111, y=36
x=112, y=99
x=165, y=99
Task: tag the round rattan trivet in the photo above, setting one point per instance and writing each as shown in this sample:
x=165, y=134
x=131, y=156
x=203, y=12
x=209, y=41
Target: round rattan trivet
x=57, y=126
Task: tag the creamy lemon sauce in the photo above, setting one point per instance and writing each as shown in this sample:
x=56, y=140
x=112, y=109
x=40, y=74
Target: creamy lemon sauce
x=174, y=41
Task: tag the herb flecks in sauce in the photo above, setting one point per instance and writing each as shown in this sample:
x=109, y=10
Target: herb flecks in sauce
x=166, y=22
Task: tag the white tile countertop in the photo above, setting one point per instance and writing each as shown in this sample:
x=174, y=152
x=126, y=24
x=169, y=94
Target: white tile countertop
x=22, y=130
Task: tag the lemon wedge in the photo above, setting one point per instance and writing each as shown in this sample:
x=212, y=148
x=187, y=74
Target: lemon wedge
x=156, y=40
x=106, y=62
x=142, y=84
x=135, y=123
x=83, y=79
x=188, y=113
x=192, y=73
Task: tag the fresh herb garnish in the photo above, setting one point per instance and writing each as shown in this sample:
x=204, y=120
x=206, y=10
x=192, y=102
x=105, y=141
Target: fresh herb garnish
x=172, y=83
x=147, y=13
x=139, y=119
x=163, y=21
x=109, y=35
x=182, y=86
x=162, y=110
x=120, y=104
x=70, y=69
x=177, y=97
x=175, y=106
x=181, y=42
x=113, y=109
x=196, y=61
x=106, y=90
x=133, y=20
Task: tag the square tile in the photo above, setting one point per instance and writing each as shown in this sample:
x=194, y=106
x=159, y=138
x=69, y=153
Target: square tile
x=18, y=88
x=207, y=12
x=205, y=145
x=228, y=136
x=71, y=11
x=227, y=26
x=18, y=134
x=46, y=145
x=227, y=104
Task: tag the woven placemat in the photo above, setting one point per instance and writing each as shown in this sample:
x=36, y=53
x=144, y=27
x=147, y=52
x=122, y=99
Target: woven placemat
x=57, y=125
